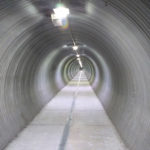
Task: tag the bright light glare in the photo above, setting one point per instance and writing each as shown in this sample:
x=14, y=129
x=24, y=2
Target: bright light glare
x=59, y=17
x=75, y=47
x=61, y=12
x=78, y=55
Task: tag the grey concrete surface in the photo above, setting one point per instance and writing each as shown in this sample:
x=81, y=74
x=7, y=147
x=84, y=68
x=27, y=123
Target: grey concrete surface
x=89, y=127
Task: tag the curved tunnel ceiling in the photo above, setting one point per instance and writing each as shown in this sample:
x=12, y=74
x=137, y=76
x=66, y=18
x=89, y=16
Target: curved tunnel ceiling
x=114, y=44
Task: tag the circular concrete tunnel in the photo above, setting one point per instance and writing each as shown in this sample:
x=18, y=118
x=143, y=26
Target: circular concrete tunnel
x=37, y=61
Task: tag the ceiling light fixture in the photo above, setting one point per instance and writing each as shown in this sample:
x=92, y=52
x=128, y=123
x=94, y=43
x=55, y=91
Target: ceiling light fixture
x=59, y=16
x=61, y=12
x=78, y=55
x=75, y=47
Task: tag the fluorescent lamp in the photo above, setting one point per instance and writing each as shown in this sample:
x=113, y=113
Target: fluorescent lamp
x=75, y=47
x=61, y=12
x=78, y=55
x=59, y=17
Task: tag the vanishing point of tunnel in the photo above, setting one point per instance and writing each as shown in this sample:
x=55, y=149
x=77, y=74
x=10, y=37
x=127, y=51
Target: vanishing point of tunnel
x=74, y=74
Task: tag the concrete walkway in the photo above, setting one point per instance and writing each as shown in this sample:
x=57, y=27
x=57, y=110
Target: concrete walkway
x=73, y=120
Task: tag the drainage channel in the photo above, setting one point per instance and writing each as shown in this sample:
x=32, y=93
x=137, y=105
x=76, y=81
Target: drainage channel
x=68, y=123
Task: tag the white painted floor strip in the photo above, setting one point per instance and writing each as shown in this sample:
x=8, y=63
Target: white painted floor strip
x=73, y=120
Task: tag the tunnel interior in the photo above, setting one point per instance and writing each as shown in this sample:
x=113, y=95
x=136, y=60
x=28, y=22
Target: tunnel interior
x=37, y=61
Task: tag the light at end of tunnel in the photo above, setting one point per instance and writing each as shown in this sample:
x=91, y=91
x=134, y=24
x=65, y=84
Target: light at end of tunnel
x=75, y=47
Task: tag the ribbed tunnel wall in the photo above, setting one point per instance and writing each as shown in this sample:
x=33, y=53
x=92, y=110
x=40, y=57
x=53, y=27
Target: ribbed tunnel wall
x=115, y=49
